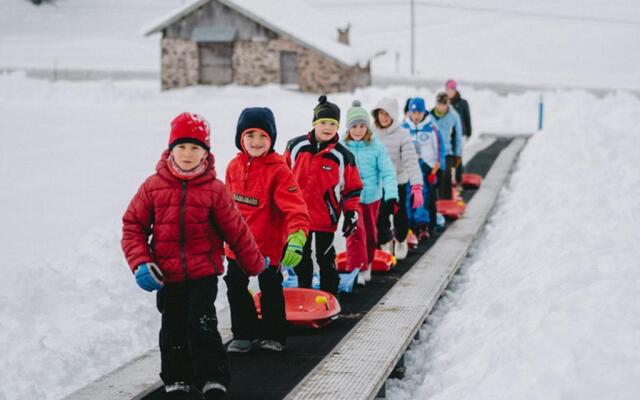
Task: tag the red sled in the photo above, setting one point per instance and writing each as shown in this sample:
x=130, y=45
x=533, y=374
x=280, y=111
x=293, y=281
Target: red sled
x=383, y=261
x=412, y=240
x=471, y=181
x=451, y=209
x=310, y=308
x=341, y=262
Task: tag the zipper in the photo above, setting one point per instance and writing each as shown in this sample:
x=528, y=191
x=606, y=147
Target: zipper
x=246, y=172
x=183, y=254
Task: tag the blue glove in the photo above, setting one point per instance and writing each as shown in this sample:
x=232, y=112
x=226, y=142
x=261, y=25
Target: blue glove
x=149, y=277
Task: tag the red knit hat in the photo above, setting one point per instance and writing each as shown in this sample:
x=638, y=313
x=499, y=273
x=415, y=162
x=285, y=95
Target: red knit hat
x=189, y=128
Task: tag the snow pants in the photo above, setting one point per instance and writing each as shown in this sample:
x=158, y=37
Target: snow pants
x=326, y=258
x=400, y=220
x=447, y=176
x=191, y=349
x=244, y=318
x=362, y=243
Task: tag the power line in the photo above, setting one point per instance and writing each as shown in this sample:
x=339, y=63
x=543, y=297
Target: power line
x=490, y=10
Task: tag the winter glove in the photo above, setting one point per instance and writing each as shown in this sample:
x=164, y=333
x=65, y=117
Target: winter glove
x=417, y=200
x=392, y=204
x=350, y=222
x=149, y=277
x=293, y=252
x=432, y=179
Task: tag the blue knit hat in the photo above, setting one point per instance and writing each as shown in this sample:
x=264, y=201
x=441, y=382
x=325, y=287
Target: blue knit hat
x=417, y=104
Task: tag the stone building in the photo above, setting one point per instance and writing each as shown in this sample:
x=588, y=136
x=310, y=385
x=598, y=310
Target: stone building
x=255, y=42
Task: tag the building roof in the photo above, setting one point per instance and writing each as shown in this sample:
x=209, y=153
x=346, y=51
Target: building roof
x=293, y=19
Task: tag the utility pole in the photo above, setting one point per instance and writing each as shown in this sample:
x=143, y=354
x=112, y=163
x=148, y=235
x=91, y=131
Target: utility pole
x=413, y=37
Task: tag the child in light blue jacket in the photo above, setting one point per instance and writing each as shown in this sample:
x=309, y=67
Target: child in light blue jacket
x=431, y=151
x=377, y=173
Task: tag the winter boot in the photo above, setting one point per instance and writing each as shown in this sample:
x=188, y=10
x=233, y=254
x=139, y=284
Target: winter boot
x=387, y=247
x=240, y=346
x=402, y=248
x=271, y=345
x=178, y=391
x=214, y=391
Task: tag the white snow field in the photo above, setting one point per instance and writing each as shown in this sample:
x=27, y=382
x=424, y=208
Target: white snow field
x=546, y=305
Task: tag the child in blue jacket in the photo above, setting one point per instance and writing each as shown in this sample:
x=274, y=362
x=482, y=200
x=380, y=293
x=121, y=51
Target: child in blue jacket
x=376, y=172
x=431, y=152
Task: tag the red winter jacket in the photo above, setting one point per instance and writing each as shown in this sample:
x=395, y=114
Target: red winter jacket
x=188, y=222
x=328, y=177
x=269, y=199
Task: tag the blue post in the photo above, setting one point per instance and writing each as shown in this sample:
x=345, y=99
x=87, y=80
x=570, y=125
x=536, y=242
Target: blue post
x=540, y=112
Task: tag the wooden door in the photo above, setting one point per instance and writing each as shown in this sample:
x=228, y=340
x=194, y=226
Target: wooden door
x=289, y=67
x=215, y=63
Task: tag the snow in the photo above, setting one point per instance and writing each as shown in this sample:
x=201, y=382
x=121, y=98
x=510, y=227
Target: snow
x=546, y=306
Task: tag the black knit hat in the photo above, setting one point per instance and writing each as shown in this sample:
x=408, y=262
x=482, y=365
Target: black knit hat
x=260, y=118
x=326, y=111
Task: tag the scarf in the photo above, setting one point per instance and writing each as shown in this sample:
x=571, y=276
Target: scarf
x=186, y=175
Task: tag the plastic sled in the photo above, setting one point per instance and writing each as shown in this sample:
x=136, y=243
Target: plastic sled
x=383, y=261
x=451, y=209
x=471, y=181
x=412, y=240
x=307, y=307
x=346, y=284
x=341, y=261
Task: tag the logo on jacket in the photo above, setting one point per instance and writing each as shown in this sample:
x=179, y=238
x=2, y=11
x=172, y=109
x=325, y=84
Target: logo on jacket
x=292, y=188
x=424, y=137
x=250, y=201
x=327, y=167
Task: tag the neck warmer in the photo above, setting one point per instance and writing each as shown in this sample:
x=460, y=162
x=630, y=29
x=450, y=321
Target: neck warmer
x=186, y=175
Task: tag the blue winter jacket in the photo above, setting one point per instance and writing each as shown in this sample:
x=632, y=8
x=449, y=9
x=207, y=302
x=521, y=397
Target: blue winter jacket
x=450, y=126
x=376, y=170
x=427, y=139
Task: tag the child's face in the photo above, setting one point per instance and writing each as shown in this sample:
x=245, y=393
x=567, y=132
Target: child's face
x=451, y=93
x=256, y=143
x=442, y=108
x=325, y=131
x=358, y=131
x=188, y=155
x=384, y=119
x=417, y=116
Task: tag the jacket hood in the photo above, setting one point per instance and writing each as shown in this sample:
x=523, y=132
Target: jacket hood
x=258, y=118
x=163, y=169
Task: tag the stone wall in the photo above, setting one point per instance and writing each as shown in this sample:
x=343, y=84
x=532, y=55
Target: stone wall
x=258, y=63
x=179, y=63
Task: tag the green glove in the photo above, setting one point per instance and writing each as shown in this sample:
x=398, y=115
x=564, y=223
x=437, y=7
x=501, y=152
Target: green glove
x=293, y=253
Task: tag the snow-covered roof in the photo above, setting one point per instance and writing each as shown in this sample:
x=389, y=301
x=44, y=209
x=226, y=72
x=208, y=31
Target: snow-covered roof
x=291, y=18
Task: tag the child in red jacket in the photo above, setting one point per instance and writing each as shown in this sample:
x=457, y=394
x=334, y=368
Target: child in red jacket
x=268, y=198
x=188, y=213
x=327, y=174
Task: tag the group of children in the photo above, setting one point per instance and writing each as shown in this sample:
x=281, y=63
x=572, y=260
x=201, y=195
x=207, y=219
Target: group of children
x=183, y=221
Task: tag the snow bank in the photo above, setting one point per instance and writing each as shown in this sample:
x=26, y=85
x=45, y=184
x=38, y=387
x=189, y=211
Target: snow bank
x=546, y=306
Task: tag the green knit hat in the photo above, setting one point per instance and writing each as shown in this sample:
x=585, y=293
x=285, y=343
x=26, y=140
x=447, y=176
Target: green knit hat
x=357, y=115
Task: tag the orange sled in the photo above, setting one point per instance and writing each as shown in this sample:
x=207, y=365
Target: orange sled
x=471, y=181
x=451, y=209
x=306, y=307
x=382, y=261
